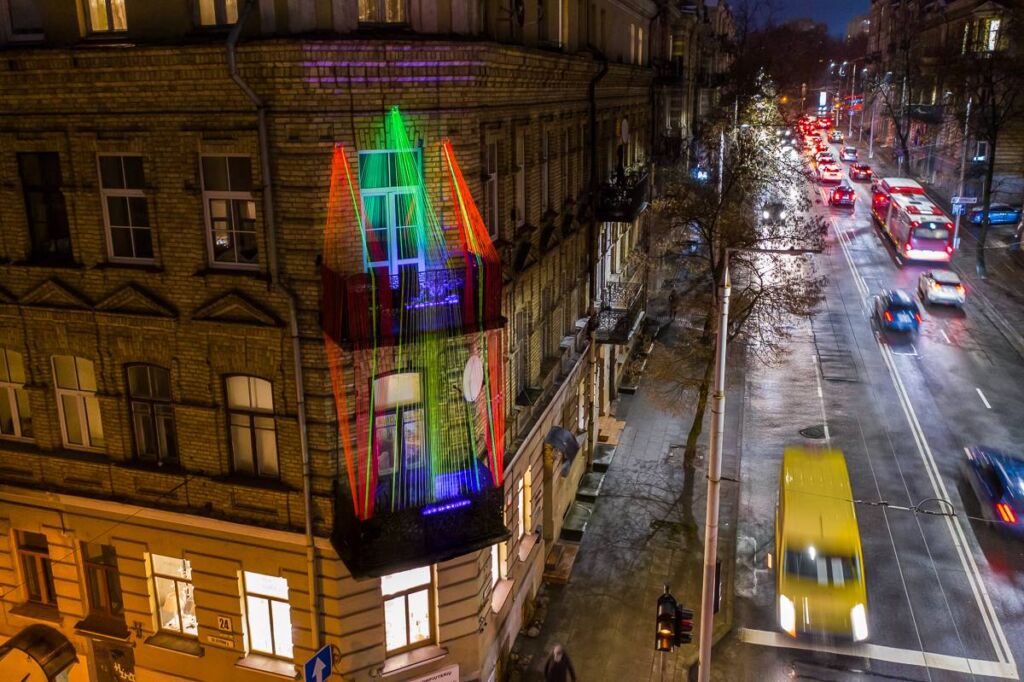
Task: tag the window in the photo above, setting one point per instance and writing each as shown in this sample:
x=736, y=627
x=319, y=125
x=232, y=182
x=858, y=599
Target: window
x=497, y=565
x=44, y=205
x=519, y=179
x=36, y=568
x=382, y=11
x=545, y=171
x=125, y=211
x=632, y=43
x=251, y=419
x=218, y=12
x=230, y=210
x=528, y=500
x=268, y=616
x=520, y=508
x=15, y=410
x=991, y=34
x=149, y=388
x=24, y=18
x=102, y=580
x=77, y=405
x=389, y=184
x=567, y=184
x=408, y=609
x=105, y=16
x=175, y=596
x=980, y=151
x=490, y=176
x=522, y=352
x=549, y=334
x=399, y=445
x=639, y=45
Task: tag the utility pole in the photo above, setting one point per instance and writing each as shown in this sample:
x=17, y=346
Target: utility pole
x=963, y=167
x=871, y=132
x=721, y=162
x=849, y=112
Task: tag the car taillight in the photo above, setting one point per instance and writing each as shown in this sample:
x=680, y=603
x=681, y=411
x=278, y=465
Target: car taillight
x=949, y=248
x=917, y=316
x=1006, y=513
x=960, y=288
x=936, y=286
x=888, y=316
x=835, y=195
x=906, y=247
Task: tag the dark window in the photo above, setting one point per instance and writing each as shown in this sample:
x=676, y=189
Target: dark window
x=24, y=17
x=44, y=205
x=152, y=414
x=102, y=579
x=125, y=208
x=36, y=568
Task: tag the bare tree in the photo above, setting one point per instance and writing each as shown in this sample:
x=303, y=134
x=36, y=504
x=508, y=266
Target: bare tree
x=769, y=290
x=893, y=85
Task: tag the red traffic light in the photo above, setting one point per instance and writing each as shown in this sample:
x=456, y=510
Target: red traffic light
x=684, y=625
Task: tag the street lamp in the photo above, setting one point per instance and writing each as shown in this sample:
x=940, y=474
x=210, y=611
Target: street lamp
x=715, y=462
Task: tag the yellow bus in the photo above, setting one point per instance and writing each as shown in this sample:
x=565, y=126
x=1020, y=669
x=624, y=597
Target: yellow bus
x=819, y=580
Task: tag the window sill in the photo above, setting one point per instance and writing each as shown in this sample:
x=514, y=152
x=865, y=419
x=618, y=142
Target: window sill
x=253, y=272
x=405, y=661
x=108, y=627
x=177, y=643
x=37, y=611
x=96, y=456
x=141, y=266
x=266, y=664
x=172, y=469
x=254, y=482
x=526, y=545
x=61, y=264
x=499, y=595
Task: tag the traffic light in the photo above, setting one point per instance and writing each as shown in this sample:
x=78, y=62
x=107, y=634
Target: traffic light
x=665, y=635
x=684, y=625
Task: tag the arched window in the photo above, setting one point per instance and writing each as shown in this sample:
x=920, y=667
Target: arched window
x=149, y=390
x=251, y=421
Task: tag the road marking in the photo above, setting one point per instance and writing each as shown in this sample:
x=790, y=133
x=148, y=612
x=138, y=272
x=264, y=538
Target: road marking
x=960, y=544
x=983, y=399
x=888, y=654
x=821, y=399
x=945, y=337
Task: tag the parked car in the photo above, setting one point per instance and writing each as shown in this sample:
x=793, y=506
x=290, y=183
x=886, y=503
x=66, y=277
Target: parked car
x=941, y=286
x=995, y=477
x=843, y=195
x=848, y=154
x=860, y=171
x=835, y=136
x=896, y=311
x=999, y=214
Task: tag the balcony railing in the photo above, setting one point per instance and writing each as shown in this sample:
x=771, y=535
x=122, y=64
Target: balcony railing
x=622, y=307
x=622, y=198
x=382, y=309
x=392, y=542
x=926, y=113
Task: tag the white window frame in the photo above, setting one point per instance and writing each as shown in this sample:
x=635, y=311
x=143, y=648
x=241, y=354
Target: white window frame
x=528, y=500
x=391, y=193
x=520, y=509
x=980, y=151
x=11, y=389
x=270, y=599
x=378, y=9
x=545, y=171
x=992, y=26
x=430, y=587
x=490, y=174
x=231, y=196
x=519, y=175
x=81, y=398
x=126, y=193
x=222, y=13
x=108, y=6
x=182, y=584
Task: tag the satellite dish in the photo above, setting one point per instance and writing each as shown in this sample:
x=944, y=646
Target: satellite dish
x=472, y=378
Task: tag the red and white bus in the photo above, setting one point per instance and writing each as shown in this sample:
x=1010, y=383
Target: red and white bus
x=917, y=227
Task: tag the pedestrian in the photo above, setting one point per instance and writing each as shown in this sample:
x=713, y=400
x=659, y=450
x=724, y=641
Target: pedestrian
x=558, y=667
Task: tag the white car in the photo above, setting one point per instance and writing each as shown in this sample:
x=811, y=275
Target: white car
x=941, y=286
x=848, y=154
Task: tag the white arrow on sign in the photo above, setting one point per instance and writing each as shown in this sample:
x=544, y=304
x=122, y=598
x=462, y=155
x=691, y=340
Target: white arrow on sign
x=318, y=670
x=964, y=200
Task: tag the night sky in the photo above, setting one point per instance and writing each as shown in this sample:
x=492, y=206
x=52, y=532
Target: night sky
x=833, y=12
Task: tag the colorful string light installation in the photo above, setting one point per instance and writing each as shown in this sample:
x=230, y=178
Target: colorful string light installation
x=413, y=330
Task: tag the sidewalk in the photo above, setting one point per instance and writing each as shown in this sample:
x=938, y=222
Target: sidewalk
x=646, y=530
x=1001, y=294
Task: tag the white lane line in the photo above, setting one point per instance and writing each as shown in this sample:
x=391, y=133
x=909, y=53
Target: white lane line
x=888, y=654
x=945, y=337
x=992, y=625
x=821, y=399
x=983, y=399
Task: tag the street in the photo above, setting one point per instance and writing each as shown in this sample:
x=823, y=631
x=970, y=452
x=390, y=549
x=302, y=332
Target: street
x=944, y=598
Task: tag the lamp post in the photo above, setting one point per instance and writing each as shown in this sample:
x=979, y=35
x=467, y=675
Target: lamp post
x=963, y=167
x=707, y=597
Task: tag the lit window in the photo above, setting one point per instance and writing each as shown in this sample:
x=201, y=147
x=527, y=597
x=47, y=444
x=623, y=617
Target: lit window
x=218, y=12
x=125, y=211
x=81, y=425
x=15, y=410
x=149, y=387
x=102, y=579
x=251, y=418
x=389, y=184
x=496, y=570
x=980, y=151
x=528, y=500
x=632, y=43
x=105, y=16
x=230, y=210
x=382, y=11
x=520, y=509
x=992, y=35
x=36, y=568
x=408, y=609
x=398, y=444
x=267, y=615
x=639, y=45
x=175, y=595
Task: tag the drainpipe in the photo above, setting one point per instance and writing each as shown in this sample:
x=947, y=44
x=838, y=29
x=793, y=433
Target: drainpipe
x=593, y=259
x=293, y=321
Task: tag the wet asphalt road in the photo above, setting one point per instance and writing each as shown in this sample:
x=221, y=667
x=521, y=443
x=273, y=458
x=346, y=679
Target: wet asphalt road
x=946, y=593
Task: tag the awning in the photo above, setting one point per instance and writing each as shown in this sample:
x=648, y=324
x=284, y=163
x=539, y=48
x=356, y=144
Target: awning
x=46, y=646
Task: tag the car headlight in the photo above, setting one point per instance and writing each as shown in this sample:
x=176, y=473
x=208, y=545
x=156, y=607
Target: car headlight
x=787, y=615
x=782, y=215
x=859, y=623
x=765, y=215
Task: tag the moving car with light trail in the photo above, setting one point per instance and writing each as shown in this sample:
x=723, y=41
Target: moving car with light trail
x=896, y=311
x=819, y=581
x=917, y=227
x=941, y=286
x=997, y=478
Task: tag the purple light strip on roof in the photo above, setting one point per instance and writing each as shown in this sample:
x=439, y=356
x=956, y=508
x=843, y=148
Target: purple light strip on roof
x=382, y=64
x=327, y=80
